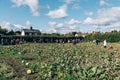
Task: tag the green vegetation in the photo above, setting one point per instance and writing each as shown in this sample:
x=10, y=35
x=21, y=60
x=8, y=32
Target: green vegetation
x=113, y=36
x=84, y=61
x=3, y=31
x=6, y=32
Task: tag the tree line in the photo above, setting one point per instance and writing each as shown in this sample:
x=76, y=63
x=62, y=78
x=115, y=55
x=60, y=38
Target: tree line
x=6, y=32
x=113, y=36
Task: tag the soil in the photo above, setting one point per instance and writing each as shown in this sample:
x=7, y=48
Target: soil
x=18, y=69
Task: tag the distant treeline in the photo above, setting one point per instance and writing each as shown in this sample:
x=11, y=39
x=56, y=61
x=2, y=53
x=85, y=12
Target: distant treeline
x=113, y=36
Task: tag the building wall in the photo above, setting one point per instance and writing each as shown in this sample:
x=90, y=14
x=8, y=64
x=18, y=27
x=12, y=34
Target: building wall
x=23, y=33
x=28, y=34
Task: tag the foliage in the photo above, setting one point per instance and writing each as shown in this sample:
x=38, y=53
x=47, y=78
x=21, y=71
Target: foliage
x=113, y=36
x=3, y=31
x=17, y=32
x=83, y=61
x=50, y=35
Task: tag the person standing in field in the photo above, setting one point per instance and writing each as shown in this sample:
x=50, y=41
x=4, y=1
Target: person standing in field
x=74, y=41
x=97, y=41
x=2, y=41
x=105, y=43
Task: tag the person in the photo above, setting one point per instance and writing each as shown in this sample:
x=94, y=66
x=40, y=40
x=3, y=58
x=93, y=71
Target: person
x=110, y=47
x=17, y=41
x=2, y=41
x=74, y=41
x=105, y=43
x=94, y=41
x=97, y=41
x=68, y=41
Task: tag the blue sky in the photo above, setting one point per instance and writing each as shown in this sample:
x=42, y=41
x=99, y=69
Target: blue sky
x=61, y=16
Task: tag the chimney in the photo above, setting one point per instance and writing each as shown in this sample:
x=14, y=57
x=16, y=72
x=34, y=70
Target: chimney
x=31, y=28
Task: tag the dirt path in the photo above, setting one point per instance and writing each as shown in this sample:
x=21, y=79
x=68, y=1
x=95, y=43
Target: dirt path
x=18, y=69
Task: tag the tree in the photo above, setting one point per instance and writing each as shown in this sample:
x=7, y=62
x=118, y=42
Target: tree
x=17, y=33
x=11, y=32
x=3, y=31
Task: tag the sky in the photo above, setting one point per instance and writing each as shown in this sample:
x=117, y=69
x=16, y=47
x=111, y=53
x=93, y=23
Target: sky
x=60, y=16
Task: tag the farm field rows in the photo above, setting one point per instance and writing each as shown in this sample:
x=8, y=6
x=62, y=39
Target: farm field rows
x=47, y=61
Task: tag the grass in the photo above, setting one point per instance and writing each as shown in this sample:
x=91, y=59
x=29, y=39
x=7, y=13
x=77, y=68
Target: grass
x=84, y=61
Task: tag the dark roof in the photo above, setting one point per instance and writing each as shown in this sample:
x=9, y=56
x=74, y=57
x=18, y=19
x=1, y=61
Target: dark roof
x=31, y=31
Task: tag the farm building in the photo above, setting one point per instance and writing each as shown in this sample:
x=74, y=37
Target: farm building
x=30, y=32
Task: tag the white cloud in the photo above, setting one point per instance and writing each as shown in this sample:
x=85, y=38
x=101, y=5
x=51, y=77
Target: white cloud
x=105, y=17
x=88, y=20
x=65, y=27
x=108, y=16
x=88, y=13
x=73, y=22
x=69, y=1
x=115, y=26
x=103, y=2
x=60, y=25
x=9, y=26
x=32, y=4
x=52, y=24
x=72, y=27
x=28, y=23
x=59, y=13
x=51, y=30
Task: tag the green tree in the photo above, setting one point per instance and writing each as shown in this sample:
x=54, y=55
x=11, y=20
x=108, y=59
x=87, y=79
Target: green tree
x=11, y=32
x=3, y=31
x=17, y=32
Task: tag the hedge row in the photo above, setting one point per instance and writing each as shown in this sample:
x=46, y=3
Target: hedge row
x=41, y=39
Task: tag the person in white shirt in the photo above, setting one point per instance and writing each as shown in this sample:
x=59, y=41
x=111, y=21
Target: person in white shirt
x=105, y=43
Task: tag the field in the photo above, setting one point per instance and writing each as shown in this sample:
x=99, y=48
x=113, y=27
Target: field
x=46, y=61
